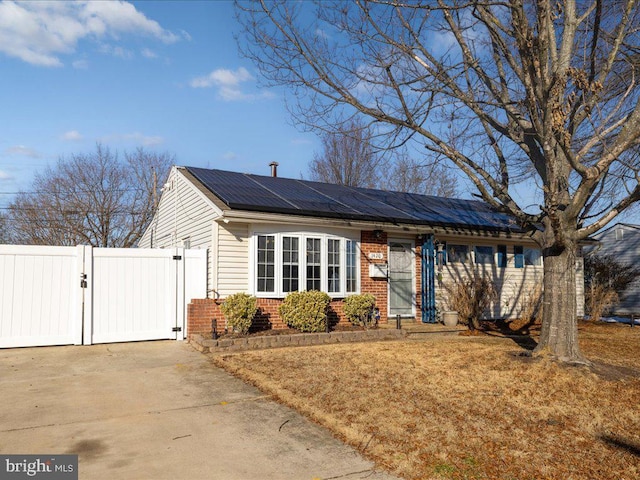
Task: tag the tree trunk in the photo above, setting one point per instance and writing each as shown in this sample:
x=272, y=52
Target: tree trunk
x=559, y=335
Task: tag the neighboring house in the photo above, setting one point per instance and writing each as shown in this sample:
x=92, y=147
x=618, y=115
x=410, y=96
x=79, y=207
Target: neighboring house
x=622, y=241
x=269, y=236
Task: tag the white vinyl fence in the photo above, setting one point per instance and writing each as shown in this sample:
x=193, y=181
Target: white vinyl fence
x=84, y=295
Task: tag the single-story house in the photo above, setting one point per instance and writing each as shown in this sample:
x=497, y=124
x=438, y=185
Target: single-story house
x=622, y=241
x=268, y=236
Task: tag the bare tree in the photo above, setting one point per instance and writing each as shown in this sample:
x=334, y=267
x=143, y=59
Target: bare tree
x=347, y=158
x=94, y=199
x=513, y=92
x=406, y=174
x=5, y=236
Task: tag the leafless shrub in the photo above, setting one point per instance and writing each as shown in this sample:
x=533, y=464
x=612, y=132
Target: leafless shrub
x=470, y=297
x=605, y=280
x=600, y=298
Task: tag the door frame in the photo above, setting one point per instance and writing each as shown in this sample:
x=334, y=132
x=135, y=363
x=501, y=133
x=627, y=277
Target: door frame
x=413, y=277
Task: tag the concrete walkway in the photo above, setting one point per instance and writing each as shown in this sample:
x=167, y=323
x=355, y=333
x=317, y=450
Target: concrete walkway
x=159, y=410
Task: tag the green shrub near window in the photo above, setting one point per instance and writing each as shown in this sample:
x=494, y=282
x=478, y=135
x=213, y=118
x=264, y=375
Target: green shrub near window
x=239, y=310
x=305, y=311
x=359, y=309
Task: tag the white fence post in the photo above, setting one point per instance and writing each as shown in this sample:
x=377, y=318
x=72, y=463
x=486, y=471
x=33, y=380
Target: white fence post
x=87, y=296
x=179, y=303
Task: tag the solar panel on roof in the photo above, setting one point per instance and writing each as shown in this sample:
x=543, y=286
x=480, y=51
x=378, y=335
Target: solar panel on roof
x=301, y=197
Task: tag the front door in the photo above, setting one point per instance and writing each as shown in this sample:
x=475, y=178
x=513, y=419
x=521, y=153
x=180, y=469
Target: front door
x=401, y=278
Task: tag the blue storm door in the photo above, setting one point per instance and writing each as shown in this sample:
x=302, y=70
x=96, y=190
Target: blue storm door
x=401, y=279
x=428, y=298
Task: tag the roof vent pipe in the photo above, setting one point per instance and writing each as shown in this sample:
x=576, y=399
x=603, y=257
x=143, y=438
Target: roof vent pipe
x=274, y=169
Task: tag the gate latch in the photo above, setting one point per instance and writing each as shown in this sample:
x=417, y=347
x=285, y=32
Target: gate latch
x=176, y=329
x=83, y=280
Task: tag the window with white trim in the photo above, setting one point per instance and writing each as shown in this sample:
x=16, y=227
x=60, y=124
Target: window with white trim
x=314, y=264
x=266, y=263
x=333, y=265
x=457, y=253
x=290, y=264
x=292, y=261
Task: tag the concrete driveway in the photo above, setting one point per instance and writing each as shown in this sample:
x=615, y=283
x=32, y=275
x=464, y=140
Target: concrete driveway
x=155, y=410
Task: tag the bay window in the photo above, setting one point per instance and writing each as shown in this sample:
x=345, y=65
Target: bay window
x=288, y=262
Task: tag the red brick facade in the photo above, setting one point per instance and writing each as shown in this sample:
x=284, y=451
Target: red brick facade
x=377, y=286
x=201, y=312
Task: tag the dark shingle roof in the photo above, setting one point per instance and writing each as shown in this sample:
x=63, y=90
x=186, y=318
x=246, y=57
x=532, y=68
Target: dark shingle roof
x=300, y=197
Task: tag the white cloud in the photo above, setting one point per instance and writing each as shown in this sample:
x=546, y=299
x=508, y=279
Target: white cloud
x=22, y=151
x=5, y=176
x=148, y=53
x=222, y=78
x=228, y=83
x=72, y=136
x=230, y=156
x=40, y=32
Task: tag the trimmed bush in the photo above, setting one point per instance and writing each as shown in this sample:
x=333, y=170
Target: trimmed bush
x=239, y=310
x=359, y=309
x=305, y=311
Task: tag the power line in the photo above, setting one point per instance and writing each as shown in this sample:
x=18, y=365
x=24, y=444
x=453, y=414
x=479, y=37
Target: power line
x=49, y=192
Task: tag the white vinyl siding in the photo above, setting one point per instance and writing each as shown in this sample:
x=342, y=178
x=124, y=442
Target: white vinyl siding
x=514, y=285
x=191, y=219
x=232, y=269
x=622, y=241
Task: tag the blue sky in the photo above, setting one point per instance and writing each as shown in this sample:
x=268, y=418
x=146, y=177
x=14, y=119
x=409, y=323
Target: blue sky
x=164, y=75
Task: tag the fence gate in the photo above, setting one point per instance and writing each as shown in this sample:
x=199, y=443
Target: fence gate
x=84, y=295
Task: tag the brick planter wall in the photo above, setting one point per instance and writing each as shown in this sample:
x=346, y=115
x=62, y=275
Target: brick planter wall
x=201, y=312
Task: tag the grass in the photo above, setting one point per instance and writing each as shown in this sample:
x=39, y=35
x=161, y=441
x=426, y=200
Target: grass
x=468, y=407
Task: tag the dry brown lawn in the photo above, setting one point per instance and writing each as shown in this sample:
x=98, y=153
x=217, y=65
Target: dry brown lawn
x=468, y=407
